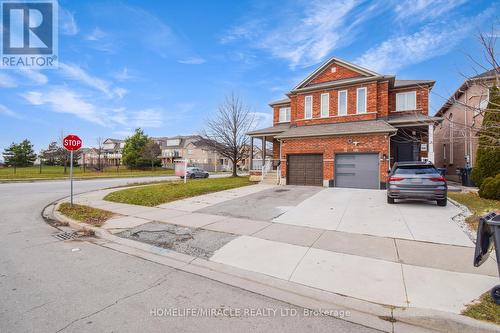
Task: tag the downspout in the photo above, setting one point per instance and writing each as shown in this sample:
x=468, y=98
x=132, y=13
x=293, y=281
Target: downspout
x=279, y=171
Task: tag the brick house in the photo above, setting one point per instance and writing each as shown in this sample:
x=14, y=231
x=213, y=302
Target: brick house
x=456, y=138
x=344, y=125
x=192, y=149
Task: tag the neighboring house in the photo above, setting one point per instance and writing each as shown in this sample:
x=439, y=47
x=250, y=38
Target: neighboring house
x=112, y=152
x=193, y=149
x=455, y=139
x=89, y=157
x=344, y=126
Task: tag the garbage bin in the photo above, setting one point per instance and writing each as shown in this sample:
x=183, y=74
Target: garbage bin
x=465, y=176
x=442, y=171
x=488, y=234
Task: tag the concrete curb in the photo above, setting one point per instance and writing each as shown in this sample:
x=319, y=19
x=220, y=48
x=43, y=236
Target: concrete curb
x=459, y=219
x=381, y=317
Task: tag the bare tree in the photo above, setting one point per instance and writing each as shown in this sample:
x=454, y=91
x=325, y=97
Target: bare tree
x=98, y=148
x=226, y=132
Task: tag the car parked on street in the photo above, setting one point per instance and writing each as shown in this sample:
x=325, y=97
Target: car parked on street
x=416, y=180
x=193, y=172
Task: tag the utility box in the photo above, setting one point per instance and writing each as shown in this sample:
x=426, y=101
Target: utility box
x=488, y=236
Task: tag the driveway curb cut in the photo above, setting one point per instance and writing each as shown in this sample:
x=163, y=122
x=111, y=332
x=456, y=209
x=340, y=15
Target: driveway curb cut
x=377, y=316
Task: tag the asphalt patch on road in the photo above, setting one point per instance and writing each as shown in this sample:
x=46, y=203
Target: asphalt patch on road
x=194, y=242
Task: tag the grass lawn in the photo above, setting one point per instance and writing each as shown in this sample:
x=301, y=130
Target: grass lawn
x=86, y=214
x=478, y=206
x=153, y=195
x=55, y=172
x=485, y=309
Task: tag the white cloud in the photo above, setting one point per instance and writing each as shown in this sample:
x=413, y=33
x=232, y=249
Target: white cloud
x=146, y=118
x=123, y=75
x=308, y=34
x=61, y=99
x=7, y=81
x=96, y=35
x=5, y=111
x=79, y=74
x=67, y=22
x=425, y=9
x=64, y=100
x=34, y=75
x=430, y=41
x=125, y=133
x=192, y=61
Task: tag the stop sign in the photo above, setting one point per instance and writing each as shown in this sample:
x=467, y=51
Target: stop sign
x=72, y=142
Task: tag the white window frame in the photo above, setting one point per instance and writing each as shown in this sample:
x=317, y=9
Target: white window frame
x=340, y=92
x=306, y=98
x=357, y=100
x=286, y=118
x=405, y=107
x=325, y=107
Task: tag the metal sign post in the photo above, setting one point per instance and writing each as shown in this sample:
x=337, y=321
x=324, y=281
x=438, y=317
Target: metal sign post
x=71, y=143
x=71, y=176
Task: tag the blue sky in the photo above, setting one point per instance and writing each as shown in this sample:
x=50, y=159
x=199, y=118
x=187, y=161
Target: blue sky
x=165, y=65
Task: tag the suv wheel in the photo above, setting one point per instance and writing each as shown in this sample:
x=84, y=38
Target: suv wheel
x=193, y=176
x=442, y=202
x=390, y=200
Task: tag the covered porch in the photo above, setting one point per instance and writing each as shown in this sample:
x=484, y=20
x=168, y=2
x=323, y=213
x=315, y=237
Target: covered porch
x=264, y=153
x=413, y=140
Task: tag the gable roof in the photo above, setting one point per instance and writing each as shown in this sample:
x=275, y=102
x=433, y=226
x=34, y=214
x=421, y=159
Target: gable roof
x=487, y=76
x=361, y=70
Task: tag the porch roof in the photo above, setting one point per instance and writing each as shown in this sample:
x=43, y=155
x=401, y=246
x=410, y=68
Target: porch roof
x=344, y=128
x=414, y=119
x=279, y=128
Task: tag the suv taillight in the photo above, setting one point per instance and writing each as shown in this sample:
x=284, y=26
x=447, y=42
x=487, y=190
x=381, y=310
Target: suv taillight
x=395, y=179
x=438, y=179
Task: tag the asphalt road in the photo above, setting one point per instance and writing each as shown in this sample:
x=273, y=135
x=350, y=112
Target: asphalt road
x=47, y=285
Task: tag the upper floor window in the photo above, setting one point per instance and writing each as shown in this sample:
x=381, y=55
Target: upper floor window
x=308, y=102
x=325, y=105
x=406, y=101
x=361, y=100
x=342, y=102
x=284, y=116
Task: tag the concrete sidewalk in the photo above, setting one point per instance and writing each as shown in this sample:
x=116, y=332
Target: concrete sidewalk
x=380, y=269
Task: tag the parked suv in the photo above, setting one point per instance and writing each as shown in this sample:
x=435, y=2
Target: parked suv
x=193, y=172
x=416, y=180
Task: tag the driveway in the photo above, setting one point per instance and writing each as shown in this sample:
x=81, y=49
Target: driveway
x=367, y=212
x=356, y=211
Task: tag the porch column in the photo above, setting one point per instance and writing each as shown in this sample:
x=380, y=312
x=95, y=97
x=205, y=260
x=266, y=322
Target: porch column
x=251, y=153
x=430, y=144
x=263, y=150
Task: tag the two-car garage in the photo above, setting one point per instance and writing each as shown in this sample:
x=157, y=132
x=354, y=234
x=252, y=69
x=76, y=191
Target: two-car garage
x=354, y=170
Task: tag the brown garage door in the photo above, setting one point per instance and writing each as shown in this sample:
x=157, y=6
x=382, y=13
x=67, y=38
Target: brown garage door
x=305, y=170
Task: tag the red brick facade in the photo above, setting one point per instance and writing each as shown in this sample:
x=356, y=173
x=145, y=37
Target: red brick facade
x=332, y=73
x=329, y=146
x=380, y=103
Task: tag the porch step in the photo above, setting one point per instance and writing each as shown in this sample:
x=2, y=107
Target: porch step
x=270, y=178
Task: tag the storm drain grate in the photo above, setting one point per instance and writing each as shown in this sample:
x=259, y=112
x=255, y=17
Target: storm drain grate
x=65, y=235
x=281, y=190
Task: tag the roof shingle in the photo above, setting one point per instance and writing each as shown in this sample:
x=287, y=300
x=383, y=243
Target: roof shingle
x=354, y=127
